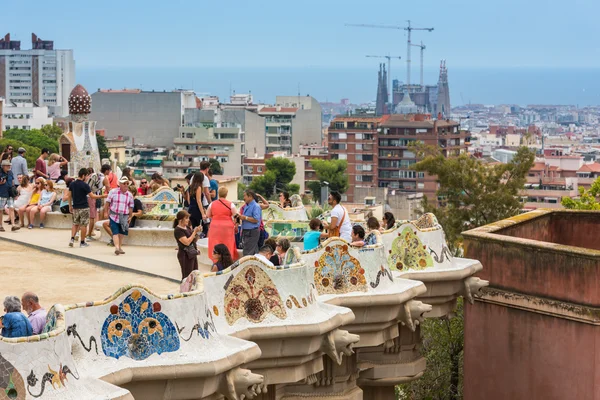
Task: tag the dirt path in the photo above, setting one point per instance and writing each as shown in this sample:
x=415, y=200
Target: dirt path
x=57, y=279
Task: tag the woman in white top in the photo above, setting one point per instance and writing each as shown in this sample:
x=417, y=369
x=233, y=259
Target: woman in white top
x=340, y=224
x=44, y=205
x=25, y=189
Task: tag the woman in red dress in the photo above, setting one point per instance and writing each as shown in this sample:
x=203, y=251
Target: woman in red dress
x=221, y=212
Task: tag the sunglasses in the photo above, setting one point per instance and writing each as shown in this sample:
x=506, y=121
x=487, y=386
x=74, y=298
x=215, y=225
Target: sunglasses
x=144, y=183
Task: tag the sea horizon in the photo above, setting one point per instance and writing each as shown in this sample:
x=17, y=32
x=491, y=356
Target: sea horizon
x=506, y=85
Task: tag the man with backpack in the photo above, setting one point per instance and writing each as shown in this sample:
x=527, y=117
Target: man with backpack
x=79, y=206
x=7, y=194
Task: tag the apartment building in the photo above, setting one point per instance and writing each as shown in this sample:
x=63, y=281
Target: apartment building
x=355, y=139
x=291, y=122
x=397, y=133
x=41, y=75
x=379, y=154
x=24, y=116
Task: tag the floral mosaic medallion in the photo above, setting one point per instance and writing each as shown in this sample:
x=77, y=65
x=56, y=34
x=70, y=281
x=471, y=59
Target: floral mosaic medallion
x=408, y=252
x=137, y=329
x=12, y=385
x=337, y=271
x=252, y=295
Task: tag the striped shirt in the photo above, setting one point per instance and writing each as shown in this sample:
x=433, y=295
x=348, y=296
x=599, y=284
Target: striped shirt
x=120, y=203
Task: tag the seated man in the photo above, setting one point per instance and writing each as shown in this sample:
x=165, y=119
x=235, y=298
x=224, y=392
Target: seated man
x=14, y=323
x=264, y=254
x=37, y=314
x=138, y=211
x=358, y=236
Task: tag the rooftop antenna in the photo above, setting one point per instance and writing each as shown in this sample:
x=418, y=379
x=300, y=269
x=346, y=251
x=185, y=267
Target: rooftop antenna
x=409, y=29
x=389, y=58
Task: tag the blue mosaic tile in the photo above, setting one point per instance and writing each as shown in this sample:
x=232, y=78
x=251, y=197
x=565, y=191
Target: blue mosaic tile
x=137, y=329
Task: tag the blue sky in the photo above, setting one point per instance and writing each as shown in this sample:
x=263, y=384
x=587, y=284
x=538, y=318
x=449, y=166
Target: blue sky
x=238, y=33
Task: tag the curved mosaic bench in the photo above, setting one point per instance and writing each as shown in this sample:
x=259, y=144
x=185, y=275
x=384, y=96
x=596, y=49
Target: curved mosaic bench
x=418, y=250
x=161, y=205
x=147, y=232
x=41, y=366
x=130, y=338
x=358, y=278
x=277, y=308
x=275, y=211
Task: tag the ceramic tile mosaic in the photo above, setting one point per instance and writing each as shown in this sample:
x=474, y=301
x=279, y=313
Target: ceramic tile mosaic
x=12, y=385
x=136, y=328
x=408, y=252
x=275, y=212
x=252, y=295
x=337, y=271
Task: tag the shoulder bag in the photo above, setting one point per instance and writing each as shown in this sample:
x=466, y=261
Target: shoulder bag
x=336, y=231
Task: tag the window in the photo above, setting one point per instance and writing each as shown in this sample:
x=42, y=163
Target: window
x=359, y=146
x=420, y=185
x=259, y=169
x=339, y=125
x=358, y=136
x=367, y=178
x=343, y=136
x=250, y=170
x=367, y=157
x=342, y=157
x=338, y=146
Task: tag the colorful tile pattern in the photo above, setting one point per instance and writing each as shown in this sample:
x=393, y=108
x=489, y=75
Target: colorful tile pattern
x=252, y=295
x=337, y=271
x=137, y=329
x=12, y=385
x=408, y=252
x=56, y=379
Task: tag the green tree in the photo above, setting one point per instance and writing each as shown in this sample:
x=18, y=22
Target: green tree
x=587, y=198
x=102, y=149
x=264, y=184
x=284, y=171
x=332, y=171
x=32, y=137
x=443, y=349
x=240, y=190
x=471, y=193
x=215, y=166
x=31, y=152
x=293, y=188
x=52, y=131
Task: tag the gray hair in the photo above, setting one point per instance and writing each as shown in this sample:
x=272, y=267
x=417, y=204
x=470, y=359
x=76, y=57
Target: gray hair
x=12, y=304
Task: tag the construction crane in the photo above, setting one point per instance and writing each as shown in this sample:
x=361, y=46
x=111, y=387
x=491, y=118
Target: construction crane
x=422, y=47
x=409, y=29
x=389, y=58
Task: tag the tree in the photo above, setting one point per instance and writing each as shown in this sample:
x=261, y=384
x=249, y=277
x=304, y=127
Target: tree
x=215, y=166
x=471, y=193
x=240, y=190
x=32, y=137
x=332, y=171
x=443, y=349
x=587, y=198
x=52, y=131
x=31, y=152
x=264, y=184
x=102, y=149
x=284, y=171
x=293, y=188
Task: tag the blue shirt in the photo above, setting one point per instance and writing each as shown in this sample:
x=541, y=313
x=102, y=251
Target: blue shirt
x=8, y=184
x=214, y=186
x=16, y=325
x=311, y=240
x=252, y=210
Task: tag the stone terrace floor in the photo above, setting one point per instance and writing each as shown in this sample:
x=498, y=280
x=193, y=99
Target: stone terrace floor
x=43, y=258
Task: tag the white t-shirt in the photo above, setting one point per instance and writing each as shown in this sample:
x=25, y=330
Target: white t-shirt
x=346, y=227
x=205, y=184
x=264, y=259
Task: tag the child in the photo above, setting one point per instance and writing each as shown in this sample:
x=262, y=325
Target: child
x=358, y=236
x=223, y=258
x=311, y=238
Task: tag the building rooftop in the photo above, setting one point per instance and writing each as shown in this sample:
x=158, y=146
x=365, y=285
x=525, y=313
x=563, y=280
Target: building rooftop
x=595, y=167
x=414, y=121
x=265, y=110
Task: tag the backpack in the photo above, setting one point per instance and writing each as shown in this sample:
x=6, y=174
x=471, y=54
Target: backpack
x=95, y=183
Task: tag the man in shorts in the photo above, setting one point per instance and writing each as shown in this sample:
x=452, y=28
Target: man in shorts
x=119, y=209
x=79, y=206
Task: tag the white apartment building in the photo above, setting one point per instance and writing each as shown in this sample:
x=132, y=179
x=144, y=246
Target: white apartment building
x=24, y=116
x=40, y=75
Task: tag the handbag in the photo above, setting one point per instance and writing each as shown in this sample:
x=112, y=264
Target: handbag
x=336, y=231
x=191, y=251
x=13, y=192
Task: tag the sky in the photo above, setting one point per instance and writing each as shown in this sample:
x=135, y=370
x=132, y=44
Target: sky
x=311, y=33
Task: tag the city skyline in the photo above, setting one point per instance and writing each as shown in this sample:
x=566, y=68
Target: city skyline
x=236, y=34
